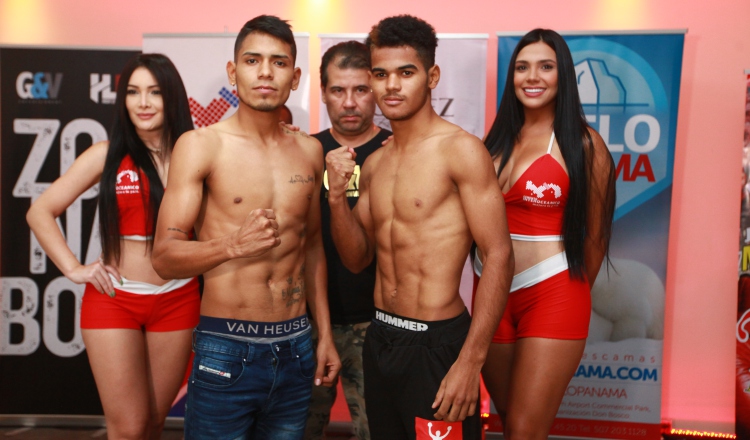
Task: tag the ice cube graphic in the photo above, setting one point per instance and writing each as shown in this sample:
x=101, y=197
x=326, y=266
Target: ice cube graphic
x=596, y=86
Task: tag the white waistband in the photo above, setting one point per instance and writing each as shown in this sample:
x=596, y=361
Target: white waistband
x=540, y=272
x=141, y=288
x=521, y=237
x=137, y=237
x=533, y=275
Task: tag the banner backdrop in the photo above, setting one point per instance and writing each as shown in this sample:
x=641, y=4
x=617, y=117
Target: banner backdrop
x=742, y=400
x=629, y=85
x=54, y=103
x=201, y=60
x=461, y=92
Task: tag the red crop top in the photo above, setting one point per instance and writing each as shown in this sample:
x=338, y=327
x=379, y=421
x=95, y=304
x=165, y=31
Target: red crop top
x=132, y=191
x=536, y=202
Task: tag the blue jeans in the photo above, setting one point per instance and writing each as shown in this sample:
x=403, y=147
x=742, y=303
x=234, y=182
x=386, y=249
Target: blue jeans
x=244, y=390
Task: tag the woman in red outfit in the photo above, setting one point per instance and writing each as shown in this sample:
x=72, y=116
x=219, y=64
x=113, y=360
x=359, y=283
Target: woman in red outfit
x=557, y=177
x=136, y=326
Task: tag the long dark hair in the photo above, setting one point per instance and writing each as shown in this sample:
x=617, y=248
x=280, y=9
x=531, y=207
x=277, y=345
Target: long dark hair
x=574, y=139
x=124, y=141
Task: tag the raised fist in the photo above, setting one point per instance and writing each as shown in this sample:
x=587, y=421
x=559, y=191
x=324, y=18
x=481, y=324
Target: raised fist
x=340, y=165
x=258, y=233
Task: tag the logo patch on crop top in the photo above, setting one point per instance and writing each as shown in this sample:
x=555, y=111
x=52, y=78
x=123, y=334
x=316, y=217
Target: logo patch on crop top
x=541, y=192
x=127, y=182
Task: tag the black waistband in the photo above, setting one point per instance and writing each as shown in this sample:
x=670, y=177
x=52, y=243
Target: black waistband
x=252, y=328
x=415, y=325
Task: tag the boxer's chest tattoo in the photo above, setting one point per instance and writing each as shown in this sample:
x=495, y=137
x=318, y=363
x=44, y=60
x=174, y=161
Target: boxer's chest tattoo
x=298, y=178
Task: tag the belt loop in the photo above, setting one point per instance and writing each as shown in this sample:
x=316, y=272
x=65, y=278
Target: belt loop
x=293, y=346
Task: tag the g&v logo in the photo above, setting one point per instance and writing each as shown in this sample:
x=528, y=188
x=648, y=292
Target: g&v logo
x=625, y=101
x=39, y=85
x=215, y=110
x=102, y=89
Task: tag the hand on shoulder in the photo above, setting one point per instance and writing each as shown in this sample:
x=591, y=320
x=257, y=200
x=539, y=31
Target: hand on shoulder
x=292, y=129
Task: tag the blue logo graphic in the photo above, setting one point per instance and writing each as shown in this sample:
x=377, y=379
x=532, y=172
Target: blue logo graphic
x=230, y=97
x=39, y=85
x=597, y=86
x=625, y=101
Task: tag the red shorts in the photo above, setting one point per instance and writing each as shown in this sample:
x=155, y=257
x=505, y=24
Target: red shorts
x=557, y=308
x=178, y=309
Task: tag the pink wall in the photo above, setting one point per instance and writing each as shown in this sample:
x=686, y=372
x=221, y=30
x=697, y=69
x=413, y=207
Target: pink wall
x=702, y=268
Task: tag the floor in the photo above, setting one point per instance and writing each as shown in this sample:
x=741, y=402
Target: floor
x=16, y=433
x=70, y=433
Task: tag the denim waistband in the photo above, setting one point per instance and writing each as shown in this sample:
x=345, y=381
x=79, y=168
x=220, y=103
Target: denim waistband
x=239, y=347
x=253, y=329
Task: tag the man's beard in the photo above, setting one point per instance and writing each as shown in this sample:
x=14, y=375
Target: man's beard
x=349, y=128
x=263, y=106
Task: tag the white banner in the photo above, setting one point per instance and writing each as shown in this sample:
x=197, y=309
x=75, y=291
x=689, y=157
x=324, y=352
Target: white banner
x=201, y=60
x=460, y=95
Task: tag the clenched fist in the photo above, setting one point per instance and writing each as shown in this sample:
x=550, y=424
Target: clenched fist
x=340, y=165
x=258, y=233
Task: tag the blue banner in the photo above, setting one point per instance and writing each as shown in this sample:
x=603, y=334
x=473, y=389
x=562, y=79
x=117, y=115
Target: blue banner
x=629, y=86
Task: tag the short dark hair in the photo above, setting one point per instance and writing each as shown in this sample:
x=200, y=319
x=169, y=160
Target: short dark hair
x=350, y=55
x=406, y=30
x=270, y=25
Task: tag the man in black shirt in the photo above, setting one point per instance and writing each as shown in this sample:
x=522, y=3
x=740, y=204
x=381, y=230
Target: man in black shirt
x=345, y=90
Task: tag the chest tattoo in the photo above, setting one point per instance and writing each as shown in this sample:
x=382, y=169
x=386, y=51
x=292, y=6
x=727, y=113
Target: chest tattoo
x=298, y=178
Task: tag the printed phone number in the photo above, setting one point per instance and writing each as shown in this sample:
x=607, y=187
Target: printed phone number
x=579, y=428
